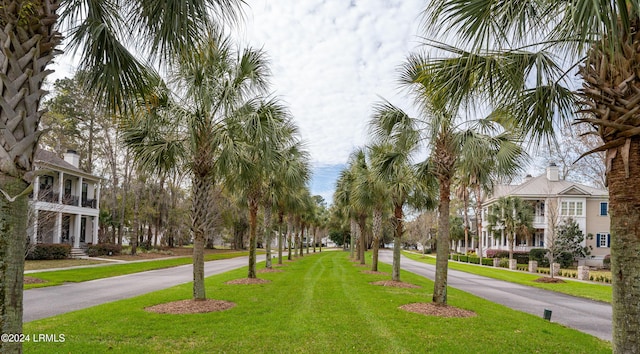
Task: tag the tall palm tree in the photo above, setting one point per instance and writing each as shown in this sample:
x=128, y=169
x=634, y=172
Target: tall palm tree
x=342, y=198
x=263, y=133
x=192, y=126
x=397, y=138
x=96, y=30
x=510, y=215
x=529, y=73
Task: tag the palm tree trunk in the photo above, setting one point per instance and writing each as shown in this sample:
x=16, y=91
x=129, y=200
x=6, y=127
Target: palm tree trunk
x=466, y=220
x=281, y=238
x=397, y=239
x=13, y=237
x=289, y=236
x=267, y=233
x=199, y=214
x=377, y=231
x=362, y=222
x=624, y=208
x=352, y=241
x=253, y=218
x=442, y=252
x=479, y=221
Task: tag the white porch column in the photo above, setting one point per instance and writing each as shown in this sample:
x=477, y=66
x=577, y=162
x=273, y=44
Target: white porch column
x=36, y=188
x=97, y=197
x=501, y=239
x=76, y=231
x=79, y=191
x=57, y=230
x=60, y=187
x=34, y=228
x=95, y=230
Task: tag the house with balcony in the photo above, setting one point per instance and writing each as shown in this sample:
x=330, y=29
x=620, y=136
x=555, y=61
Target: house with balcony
x=553, y=201
x=65, y=202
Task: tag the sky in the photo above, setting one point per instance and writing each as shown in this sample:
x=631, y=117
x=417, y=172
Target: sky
x=331, y=61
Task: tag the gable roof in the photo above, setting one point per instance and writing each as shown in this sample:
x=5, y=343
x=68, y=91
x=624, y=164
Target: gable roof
x=542, y=187
x=50, y=159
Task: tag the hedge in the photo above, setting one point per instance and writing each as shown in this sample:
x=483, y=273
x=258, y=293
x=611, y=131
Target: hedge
x=104, y=249
x=46, y=251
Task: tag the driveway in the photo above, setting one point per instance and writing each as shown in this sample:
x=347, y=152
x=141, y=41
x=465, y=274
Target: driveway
x=592, y=317
x=55, y=300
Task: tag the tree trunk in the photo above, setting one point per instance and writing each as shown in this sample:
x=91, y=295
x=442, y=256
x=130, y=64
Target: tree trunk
x=397, y=239
x=300, y=238
x=377, y=231
x=352, y=238
x=280, y=236
x=624, y=208
x=289, y=236
x=466, y=220
x=362, y=222
x=479, y=221
x=13, y=237
x=253, y=218
x=199, y=213
x=267, y=233
x=442, y=253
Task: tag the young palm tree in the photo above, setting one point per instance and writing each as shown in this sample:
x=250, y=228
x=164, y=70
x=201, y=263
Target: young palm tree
x=96, y=30
x=192, y=126
x=511, y=215
x=522, y=56
x=263, y=133
x=397, y=138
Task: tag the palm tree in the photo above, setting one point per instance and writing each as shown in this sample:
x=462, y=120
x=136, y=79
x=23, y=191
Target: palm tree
x=342, y=198
x=96, y=30
x=397, y=138
x=191, y=127
x=263, y=133
x=512, y=216
x=529, y=73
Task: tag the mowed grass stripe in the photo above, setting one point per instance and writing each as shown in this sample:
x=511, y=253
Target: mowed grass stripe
x=318, y=304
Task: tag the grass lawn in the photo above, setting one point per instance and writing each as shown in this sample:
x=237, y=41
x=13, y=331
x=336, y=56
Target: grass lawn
x=60, y=263
x=599, y=292
x=84, y=274
x=318, y=304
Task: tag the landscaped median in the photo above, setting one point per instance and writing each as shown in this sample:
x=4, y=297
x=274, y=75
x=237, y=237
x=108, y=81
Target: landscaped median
x=593, y=291
x=321, y=303
x=77, y=275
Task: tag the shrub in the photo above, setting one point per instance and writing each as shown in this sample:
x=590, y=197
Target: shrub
x=104, y=249
x=44, y=251
x=462, y=258
x=565, y=259
x=474, y=260
x=538, y=255
x=606, y=262
x=487, y=261
x=520, y=257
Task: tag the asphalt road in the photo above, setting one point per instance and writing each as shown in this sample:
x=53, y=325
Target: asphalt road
x=588, y=316
x=54, y=300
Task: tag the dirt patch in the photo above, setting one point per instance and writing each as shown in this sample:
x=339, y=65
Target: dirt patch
x=191, y=306
x=374, y=272
x=246, y=281
x=549, y=280
x=32, y=280
x=269, y=270
x=430, y=309
x=395, y=284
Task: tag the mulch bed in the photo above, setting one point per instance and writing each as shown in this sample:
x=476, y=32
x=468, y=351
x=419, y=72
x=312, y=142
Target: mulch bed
x=269, y=270
x=395, y=284
x=430, y=309
x=247, y=281
x=191, y=306
x=32, y=280
x=549, y=280
x=372, y=272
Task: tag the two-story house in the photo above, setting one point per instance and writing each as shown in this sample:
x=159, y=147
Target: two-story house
x=65, y=201
x=553, y=201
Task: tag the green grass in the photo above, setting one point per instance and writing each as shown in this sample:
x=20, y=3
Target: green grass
x=318, y=304
x=591, y=291
x=59, y=263
x=85, y=274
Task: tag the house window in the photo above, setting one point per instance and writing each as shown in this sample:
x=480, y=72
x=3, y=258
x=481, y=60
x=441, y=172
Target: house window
x=571, y=209
x=603, y=240
x=604, y=209
x=67, y=187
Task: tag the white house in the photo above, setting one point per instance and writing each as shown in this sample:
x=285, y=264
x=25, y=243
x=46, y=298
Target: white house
x=555, y=200
x=65, y=201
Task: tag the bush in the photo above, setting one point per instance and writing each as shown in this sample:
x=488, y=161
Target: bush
x=104, y=249
x=462, y=258
x=520, y=257
x=565, y=259
x=606, y=262
x=487, y=261
x=538, y=255
x=474, y=260
x=45, y=251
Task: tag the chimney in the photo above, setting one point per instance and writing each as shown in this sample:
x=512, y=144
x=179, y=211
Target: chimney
x=553, y=172
x=72, y=157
